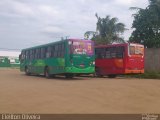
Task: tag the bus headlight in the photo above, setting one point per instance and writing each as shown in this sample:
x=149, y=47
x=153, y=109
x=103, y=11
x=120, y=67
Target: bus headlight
x=92, y=63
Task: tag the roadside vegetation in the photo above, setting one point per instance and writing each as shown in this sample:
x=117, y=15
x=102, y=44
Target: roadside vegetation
x=147, y=75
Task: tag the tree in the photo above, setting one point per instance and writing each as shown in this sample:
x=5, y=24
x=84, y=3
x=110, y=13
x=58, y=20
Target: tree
x=108, y=30
x=89, y=34
x=146, y=25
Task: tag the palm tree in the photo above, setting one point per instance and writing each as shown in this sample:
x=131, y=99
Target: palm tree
x=89, y=34
x=109, y=30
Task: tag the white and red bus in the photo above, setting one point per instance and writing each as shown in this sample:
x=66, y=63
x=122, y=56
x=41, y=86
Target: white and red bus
x=117, y=59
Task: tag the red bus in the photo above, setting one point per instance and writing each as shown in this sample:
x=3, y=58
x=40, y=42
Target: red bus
x=117, y=59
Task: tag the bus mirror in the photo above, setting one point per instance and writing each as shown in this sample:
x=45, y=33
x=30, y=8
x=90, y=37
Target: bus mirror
x=20, y=57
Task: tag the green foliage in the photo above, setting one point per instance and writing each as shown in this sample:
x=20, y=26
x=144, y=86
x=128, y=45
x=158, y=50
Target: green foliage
x=147, y=25
x=108, y=30
x=147, y=75
x=89, y=34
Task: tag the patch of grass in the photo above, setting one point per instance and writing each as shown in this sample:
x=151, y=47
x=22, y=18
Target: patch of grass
x=147, y=75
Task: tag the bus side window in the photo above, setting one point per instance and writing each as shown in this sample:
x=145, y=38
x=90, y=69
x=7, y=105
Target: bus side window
x=27, y=54
x=55, y=53
x=31, y=54
x=52, y=52
x=41, y=53
x=62, y=50
x=21, y=56
x=100, y=53
x=59, y=50
x=36, y=54
x=132, y=50
x=113, y=52
x=120, y=52
x=97, y=53
x=56, y=50
x=108, y=53
x=48, y=53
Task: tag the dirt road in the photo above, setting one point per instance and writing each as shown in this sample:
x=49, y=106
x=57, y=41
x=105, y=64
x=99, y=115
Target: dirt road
x=35, y=94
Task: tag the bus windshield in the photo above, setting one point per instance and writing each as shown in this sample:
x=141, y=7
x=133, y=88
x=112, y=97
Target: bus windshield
x=81, y=47
x=136, y=50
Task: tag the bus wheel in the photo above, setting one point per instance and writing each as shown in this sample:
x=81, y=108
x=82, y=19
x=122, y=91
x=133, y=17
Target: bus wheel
x=46, y=72
x=69, y=75
x=111, y=76
x=97, y=72
x=27, y=71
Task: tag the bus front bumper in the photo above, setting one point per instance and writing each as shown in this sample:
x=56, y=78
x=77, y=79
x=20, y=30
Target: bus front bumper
x=128, y=71
x=87, y=70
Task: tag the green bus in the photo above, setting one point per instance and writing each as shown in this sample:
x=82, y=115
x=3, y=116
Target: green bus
x=66, y=57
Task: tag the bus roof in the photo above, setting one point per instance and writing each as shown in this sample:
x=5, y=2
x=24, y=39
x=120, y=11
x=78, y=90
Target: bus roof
x=44, y=45
x=111, y=45
x=119, y=44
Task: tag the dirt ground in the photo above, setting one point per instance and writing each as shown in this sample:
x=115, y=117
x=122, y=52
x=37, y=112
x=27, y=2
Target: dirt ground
x=35, y=94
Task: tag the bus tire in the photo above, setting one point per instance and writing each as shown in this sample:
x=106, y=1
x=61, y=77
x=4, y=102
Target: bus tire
x=69, y=76
x=112, y=76
x=46, y=73
x=27, y=71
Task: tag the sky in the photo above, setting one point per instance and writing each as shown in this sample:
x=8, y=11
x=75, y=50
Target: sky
x=27, y=23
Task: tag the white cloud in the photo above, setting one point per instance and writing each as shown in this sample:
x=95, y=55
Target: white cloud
x=14, y=8
x=48, y=10
x=30, y=21
x=52, y=29
x=22, y=9
x=125, y=2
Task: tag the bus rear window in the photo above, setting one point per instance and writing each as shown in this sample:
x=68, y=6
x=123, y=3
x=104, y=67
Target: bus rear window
x=136, y=50
x=110, y=52
x=81, y=47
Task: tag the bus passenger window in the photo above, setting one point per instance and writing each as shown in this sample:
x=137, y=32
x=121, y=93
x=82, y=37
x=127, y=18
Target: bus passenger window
x=113, y=52
x=36, y=54
x=39, y=56
x=120, y=52
x=63, y=47
x=132, y=50
x=43, y=50
x=99, y=53
x=31, y=55
x=108, y=55
x=48, y=53
x=23, y=55
x=27, y=54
